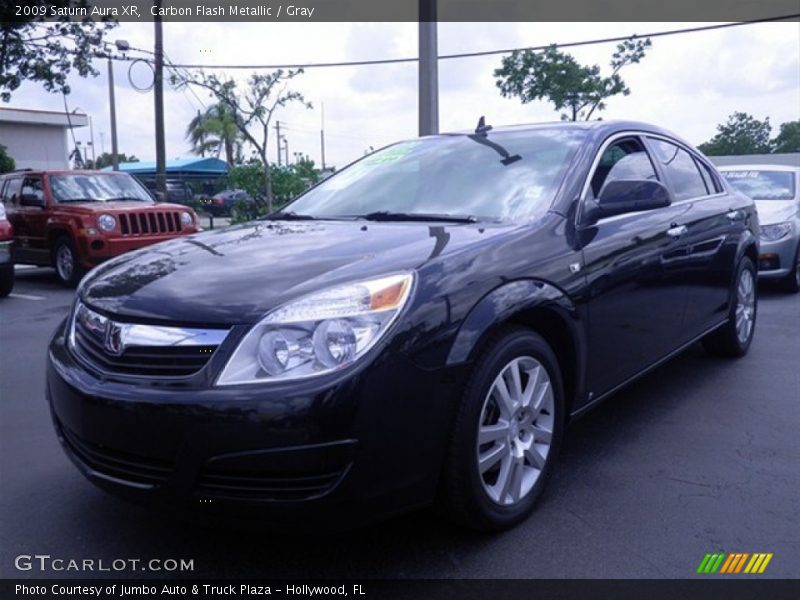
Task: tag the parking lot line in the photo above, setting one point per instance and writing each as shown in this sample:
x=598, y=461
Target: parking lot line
x=26, y=297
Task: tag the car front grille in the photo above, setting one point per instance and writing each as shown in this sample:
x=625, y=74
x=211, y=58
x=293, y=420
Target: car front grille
x=221, y=484
x=118, y=465
x=141, y=350
x=150, y=222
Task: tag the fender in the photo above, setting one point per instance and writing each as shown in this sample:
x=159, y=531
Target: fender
x=747, y=239
x=504, y=302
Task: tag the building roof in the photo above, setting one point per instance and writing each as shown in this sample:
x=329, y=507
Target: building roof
x=179, y=166
x=43, y=117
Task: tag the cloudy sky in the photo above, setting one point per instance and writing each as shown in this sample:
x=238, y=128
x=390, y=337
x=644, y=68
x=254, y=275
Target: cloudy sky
x=687, y=83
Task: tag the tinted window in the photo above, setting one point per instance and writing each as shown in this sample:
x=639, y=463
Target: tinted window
x=11, y=191
x=505, y=175
x=712, y=183
x=626, y=159
x=33, y=186
x=681, y=170
x=763, y=185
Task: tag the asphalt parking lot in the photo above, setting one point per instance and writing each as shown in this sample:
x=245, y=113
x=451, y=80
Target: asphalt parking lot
x=702, y=455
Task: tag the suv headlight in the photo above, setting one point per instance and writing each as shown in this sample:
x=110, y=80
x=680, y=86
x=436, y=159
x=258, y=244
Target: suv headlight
x=186, y=219
x=320, y=333
x=106, y=222
x=772, y=233
x=2, y=211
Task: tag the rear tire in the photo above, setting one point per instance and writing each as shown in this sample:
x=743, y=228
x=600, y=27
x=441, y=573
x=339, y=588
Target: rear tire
x=65, y=262
x=506, y=435
x=6, y=280
x=734, y=337
x=791, y=283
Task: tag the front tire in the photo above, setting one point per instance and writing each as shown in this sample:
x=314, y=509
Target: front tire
x=6, y=280
x=65, y=262
x=507, y=433
x=733, y=339
x=791, y=283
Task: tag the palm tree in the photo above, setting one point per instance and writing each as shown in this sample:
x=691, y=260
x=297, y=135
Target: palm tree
x=215, y=131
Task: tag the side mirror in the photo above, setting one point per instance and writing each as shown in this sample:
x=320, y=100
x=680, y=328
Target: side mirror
x=27, y=199
x=626, y=195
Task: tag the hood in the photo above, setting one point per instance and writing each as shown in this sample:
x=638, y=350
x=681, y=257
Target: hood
x=88, y=208
x=776, y=211
x=236, y=275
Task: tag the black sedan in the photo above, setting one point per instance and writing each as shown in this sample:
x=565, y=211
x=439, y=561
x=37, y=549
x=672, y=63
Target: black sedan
x=418, y=328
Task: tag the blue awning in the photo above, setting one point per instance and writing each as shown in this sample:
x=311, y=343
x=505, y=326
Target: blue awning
x=181, y=167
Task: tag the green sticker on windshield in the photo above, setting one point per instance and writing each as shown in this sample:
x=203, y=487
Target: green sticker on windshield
x=390, y=154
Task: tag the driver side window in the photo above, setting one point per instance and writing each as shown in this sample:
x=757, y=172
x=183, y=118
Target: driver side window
x=624, y=159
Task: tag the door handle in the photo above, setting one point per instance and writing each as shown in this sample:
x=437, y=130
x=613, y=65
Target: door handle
x=677, y=231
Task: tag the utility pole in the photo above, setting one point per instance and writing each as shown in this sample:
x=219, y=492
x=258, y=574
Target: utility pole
x=278, y=140
x=286, y=150
x=112, y=102
x=158, y=88
x=322, y=135
x=91, y=137
x=428, y=69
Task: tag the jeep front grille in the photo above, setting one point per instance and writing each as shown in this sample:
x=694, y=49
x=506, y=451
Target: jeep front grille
x=150, y=222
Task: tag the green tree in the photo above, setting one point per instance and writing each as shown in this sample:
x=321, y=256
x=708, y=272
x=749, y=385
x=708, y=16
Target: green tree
x=288, y=181
x=252, y=108
x=106, y=160
x=6, y=162
x=558, y=77
x=788, y=138
x=46, y=52
x=741, y=134
x=215, y=131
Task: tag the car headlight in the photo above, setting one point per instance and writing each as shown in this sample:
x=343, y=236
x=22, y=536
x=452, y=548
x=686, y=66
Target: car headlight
x=2, y=211
x=186, y=219
x=106, y=222
x=774, y=232
x=319, y=333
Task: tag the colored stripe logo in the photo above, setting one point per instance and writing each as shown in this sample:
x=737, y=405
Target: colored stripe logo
x=734, y=562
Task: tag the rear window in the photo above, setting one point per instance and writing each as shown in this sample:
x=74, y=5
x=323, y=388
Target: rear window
x=763, y=185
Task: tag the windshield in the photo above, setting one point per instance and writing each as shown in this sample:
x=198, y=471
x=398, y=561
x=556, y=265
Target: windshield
x=94, y=187
x=502, y=176
x=763, y=185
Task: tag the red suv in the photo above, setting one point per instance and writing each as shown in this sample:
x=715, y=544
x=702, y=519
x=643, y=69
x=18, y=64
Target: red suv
x=74, y=220
x=6, y=262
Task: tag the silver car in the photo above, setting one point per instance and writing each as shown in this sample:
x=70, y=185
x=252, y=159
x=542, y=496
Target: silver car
x=776, y=190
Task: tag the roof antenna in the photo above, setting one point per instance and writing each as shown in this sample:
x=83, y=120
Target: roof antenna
x=482, y=128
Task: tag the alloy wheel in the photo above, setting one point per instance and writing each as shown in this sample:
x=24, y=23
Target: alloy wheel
x=64, y=262
x=515, y=431
x=745, y=305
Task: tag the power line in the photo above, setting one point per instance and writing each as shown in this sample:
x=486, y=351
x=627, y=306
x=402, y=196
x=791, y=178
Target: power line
x=384, y=61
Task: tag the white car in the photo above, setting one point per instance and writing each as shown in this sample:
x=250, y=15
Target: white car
x=776, y=191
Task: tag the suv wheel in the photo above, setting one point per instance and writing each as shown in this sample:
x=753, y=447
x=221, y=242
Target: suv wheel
x=734, y=337
x=6, y=280
x=792, y=282
x=65, y=261
x=507, y=433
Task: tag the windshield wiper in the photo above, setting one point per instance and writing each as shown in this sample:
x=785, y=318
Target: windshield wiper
x=288, y=216
x=385, y=215
x=125, y=199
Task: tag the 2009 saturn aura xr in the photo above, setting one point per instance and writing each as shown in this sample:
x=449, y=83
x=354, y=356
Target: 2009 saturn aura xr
x=419, y=327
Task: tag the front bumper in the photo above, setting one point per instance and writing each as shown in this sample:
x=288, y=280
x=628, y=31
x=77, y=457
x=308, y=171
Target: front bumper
x=327, y=454
x=98, y=248
x=777, y=259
